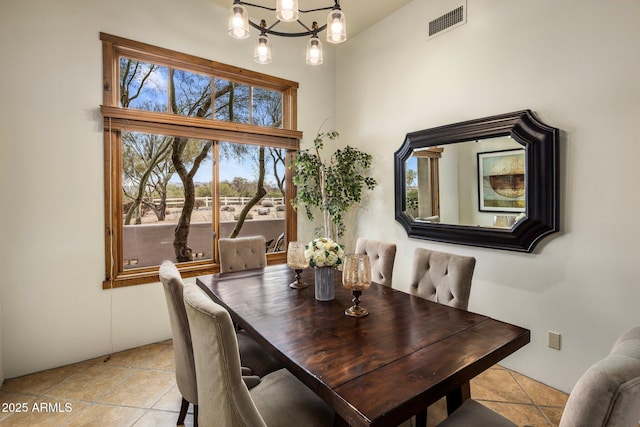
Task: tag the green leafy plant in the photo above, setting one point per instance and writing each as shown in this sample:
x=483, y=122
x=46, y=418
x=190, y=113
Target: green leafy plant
x=334, y=185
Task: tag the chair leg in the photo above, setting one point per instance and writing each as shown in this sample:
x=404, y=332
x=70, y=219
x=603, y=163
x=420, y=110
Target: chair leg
x=195, y=415
x=183, y=412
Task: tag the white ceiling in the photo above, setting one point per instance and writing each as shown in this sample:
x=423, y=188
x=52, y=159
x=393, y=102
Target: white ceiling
x=360, y=14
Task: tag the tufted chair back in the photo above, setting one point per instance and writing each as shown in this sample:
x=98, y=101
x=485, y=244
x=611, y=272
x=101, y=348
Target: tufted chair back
x=381, y=257
x=442, y=277
x=216, y=356
x=185, y=368
x=242, y=253
x=608, y=393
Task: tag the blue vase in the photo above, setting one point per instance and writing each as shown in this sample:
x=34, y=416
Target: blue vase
x=325, y=290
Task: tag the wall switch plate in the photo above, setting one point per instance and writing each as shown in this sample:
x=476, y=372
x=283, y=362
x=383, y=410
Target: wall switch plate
x=554, y=340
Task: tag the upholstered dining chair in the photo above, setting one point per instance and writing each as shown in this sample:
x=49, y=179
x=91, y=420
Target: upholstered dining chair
x=183, y=352
x=382, y=256
x=254, y=357
x=242, y=253
x=606, y=395
x=442, y=277
x=279, y=243
x=279, y=400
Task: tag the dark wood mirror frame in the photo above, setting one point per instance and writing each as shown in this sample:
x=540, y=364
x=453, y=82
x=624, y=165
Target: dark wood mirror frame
x=540, y=142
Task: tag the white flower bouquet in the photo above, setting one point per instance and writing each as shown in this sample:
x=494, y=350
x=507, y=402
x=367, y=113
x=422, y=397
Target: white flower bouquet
x=324, y=252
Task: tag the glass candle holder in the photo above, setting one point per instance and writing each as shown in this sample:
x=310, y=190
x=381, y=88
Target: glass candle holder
x=297, y=262
x=356, y=276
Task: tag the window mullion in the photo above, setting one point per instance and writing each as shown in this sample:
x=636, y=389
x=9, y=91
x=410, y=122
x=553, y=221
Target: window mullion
x=251, y=105
x=215, y=191
x=170, y=92
x=125, y=117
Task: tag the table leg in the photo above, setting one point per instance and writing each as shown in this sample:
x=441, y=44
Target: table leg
x=339, y=422
x=455, y=398
x=421, y=419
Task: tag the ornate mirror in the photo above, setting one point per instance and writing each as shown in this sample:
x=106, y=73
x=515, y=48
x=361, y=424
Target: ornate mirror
x=490, y=182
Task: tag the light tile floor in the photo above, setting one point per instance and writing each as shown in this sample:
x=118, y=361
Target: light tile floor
x=137, y=388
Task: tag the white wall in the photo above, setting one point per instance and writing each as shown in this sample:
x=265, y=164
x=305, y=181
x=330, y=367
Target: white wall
x=576, y=65
x=54, y=310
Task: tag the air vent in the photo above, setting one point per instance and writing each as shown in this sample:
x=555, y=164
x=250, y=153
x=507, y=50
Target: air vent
x=448, y=21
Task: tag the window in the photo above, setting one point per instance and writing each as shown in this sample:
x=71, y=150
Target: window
x=194, y=150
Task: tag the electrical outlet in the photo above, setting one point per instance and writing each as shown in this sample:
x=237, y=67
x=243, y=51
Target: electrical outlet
x=554, y=340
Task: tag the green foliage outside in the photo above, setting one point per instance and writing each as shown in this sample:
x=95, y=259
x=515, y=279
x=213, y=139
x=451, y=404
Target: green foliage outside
x=227, y=189
x=412, y=199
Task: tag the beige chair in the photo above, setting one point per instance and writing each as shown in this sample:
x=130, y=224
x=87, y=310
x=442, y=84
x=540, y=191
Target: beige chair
x=381, y=256
x=253, y=355
x=607, y=394
x=242, y=253
x=279, y=400
x=278, y=246
x=442, y=277
x=183, y=352
x=245, y=253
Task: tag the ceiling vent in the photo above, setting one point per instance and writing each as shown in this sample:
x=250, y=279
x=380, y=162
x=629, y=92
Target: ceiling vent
x=450, y=20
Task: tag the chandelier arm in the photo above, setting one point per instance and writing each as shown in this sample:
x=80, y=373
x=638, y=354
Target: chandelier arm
x=316, y=10
x=304, y=26
x=273, y=9
x=274, y=24
x=256, y=26
x=281, y=34
x=336, y=5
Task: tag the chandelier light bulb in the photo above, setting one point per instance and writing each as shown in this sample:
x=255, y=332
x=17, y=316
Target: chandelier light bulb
x=238, y=31
x=238, y=22
x=314, y=51
x=262, y=51
x=287, y=10
x=336, y=27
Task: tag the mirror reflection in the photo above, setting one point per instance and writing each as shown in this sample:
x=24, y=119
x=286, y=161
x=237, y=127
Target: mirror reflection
x=477, y=183
x=470, y=183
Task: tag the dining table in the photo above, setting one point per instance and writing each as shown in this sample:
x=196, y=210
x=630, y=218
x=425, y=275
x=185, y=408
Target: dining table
x=377, y=370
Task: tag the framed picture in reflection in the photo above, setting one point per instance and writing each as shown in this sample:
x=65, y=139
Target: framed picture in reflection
x=501, y=181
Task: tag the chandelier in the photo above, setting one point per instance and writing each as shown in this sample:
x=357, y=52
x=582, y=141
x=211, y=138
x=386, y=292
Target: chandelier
x=287, y=11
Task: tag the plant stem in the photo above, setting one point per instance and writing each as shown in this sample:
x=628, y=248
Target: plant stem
x=326, y=216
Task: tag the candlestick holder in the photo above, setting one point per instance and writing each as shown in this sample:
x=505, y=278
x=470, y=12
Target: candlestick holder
x=297, y=262
x=356, y=276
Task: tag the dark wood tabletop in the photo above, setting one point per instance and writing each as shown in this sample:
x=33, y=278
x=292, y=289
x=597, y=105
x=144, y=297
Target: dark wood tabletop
x=377, y=370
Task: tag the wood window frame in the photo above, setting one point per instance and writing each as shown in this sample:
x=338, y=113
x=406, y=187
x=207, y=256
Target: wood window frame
x=117, y=119
x=434, y=154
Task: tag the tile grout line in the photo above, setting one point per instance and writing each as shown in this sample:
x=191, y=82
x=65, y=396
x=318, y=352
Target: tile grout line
x=166, y=392
x=533, y=402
